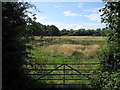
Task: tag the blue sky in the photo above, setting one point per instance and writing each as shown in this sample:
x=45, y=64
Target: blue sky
x=69, y=15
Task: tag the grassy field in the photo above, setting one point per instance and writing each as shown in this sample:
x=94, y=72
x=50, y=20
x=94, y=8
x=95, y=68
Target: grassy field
x=66, y=49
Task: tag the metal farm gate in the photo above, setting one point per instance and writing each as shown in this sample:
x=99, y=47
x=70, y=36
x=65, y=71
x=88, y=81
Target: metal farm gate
x=63, y=73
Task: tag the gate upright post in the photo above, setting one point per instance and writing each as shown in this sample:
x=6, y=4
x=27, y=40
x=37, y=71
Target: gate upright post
x=64, y=75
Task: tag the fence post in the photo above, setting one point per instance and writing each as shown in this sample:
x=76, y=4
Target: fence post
x=64, y=75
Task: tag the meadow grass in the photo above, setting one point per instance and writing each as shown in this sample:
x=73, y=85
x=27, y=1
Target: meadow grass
x=66, y=49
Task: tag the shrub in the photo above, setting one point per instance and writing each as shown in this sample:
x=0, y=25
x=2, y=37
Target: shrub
x=107, y=81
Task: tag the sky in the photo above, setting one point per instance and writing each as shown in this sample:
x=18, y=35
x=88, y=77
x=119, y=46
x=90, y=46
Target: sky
x=69, y=15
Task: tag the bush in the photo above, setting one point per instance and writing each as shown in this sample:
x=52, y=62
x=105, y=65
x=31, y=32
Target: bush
x=107, y=81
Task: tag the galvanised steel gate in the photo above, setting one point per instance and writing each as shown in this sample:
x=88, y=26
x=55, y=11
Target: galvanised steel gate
x=41, y=71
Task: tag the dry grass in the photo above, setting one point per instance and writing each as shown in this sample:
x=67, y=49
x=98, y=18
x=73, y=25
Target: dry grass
x=70, y=49
x=76, y=38
x=59, y=48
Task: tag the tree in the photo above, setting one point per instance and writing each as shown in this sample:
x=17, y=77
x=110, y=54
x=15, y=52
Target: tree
x=111, y=16
x=16, y=33
x=37, y=29
x=83, y=32
x=71, y=33
x=52, y=31
x=109, y=79
x=64, y=32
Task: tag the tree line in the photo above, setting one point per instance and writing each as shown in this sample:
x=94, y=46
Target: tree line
x=51, y=30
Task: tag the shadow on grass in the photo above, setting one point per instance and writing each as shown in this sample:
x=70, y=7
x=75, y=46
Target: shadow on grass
x=43, y=85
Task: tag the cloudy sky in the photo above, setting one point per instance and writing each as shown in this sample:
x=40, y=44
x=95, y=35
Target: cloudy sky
x=69, y=15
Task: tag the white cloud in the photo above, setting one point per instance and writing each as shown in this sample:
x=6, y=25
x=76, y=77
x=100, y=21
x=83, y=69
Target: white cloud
x=38, y=18
x=93, y=10
x=91, y=17
x=62, y=25
x=55, y=6
x=60, y=6
x=80, y=5
x=69, y=13
x=90, y=10
x=94, y=17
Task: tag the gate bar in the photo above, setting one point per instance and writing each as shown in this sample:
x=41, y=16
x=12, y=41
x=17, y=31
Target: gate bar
x=64, y=63
x=64, y=74
x=65, y=79
x=59, y=69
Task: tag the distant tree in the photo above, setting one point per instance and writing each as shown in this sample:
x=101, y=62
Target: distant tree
x=37, y=29
x=71, y=33
x=83, y=32
x=52, y=31
x=44, y=29
x=78, y=32
x=64, y=32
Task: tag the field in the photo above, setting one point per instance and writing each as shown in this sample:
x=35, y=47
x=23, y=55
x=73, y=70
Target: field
x=66, y=49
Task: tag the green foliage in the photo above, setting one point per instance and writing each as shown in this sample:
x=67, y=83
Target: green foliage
x=37, y=28
x=109, y=79
x=43, y=30
x=83, y=32
x=16, y=33
x=64, y=32
x=53, y=31
x=111, y=16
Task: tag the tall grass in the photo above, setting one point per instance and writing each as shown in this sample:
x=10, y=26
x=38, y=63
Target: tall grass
x=73, y=49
